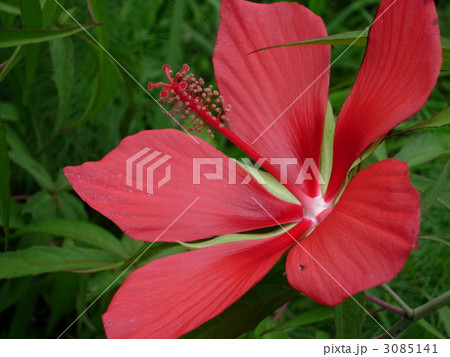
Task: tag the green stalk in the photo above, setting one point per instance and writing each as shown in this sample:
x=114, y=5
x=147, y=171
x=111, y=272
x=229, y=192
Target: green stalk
x=417, y=314
x=398, y=299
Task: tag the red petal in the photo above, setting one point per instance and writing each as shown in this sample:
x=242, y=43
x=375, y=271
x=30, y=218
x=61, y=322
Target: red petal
x=399, y=71
x=262, y=85
x=220, y=207
x=365, y=240
x=172, y=296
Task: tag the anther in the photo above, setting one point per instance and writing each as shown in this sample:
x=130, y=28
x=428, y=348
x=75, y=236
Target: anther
x=197, y=106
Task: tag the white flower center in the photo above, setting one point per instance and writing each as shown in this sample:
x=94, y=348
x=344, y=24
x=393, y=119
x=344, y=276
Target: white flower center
x=316, y=206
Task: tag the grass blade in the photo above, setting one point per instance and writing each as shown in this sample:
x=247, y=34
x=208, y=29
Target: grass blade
x=40, y=259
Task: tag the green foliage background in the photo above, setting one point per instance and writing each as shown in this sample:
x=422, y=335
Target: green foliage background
x=64, y=101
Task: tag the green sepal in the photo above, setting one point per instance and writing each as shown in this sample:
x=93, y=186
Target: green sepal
x=237, y=237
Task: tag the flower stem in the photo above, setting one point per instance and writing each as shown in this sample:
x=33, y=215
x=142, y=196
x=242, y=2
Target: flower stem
x=417, y=314
x=385, y=305
x=408, y=311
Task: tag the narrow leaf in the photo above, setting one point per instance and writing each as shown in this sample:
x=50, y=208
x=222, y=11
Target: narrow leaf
x=32, y=19
x=9, y=112
x=421, y=149
x=85, y=232
x=61, y=51
x=11, y=291
x=31, y=14
x=444, y=316
x=5, y=177
x=423, y=183
x=174, y=44
x=431, y=329
x=11, y=38
x=441, y=240
x=434, y=190
x=50, y=12
x=445, y=42
x=440, y=119
x=358, y=38
x=15, y=58
x=103, y=88
x=355, y=38
x=39, y=260
x=349, y=317
x=34, y=168
x=10, y=9
x=317, y=314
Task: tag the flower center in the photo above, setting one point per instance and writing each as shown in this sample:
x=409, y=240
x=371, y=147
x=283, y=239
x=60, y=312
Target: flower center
x=317, y=210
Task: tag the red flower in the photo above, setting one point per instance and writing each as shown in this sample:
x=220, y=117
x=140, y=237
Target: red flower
x=360, y=239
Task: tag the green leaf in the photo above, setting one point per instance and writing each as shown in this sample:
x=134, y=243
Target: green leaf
x=61, y=51
x=41, y=206
x=62, y=296
x=8, y=111
x=85, y=232
x=438, y=239
x=326, y=152
x=70, y=206
x=445, y=42
x=444, y=316
x=440, y=119
x=244, y=315
x=349, y=317
x=50, y=12
x=34, y=168
x=423, y=183
x=32, y=19
x=10, y=9
x=355, y=38
x=174, y=56
x=39, y=260
x=316, y=314
x=431, y=329
x=236, y=237
x=107, y=78
x=434, y=190
x=103, y=88
x=11, y=38
x=12, y=291
x=5, y=178
x=421, y=149
x=15, y=58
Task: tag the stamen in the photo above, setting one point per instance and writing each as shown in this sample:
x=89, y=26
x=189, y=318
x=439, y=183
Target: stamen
x=200, y=108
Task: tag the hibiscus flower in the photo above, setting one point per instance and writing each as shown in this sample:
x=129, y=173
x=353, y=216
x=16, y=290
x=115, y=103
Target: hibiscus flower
x=356, y=235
